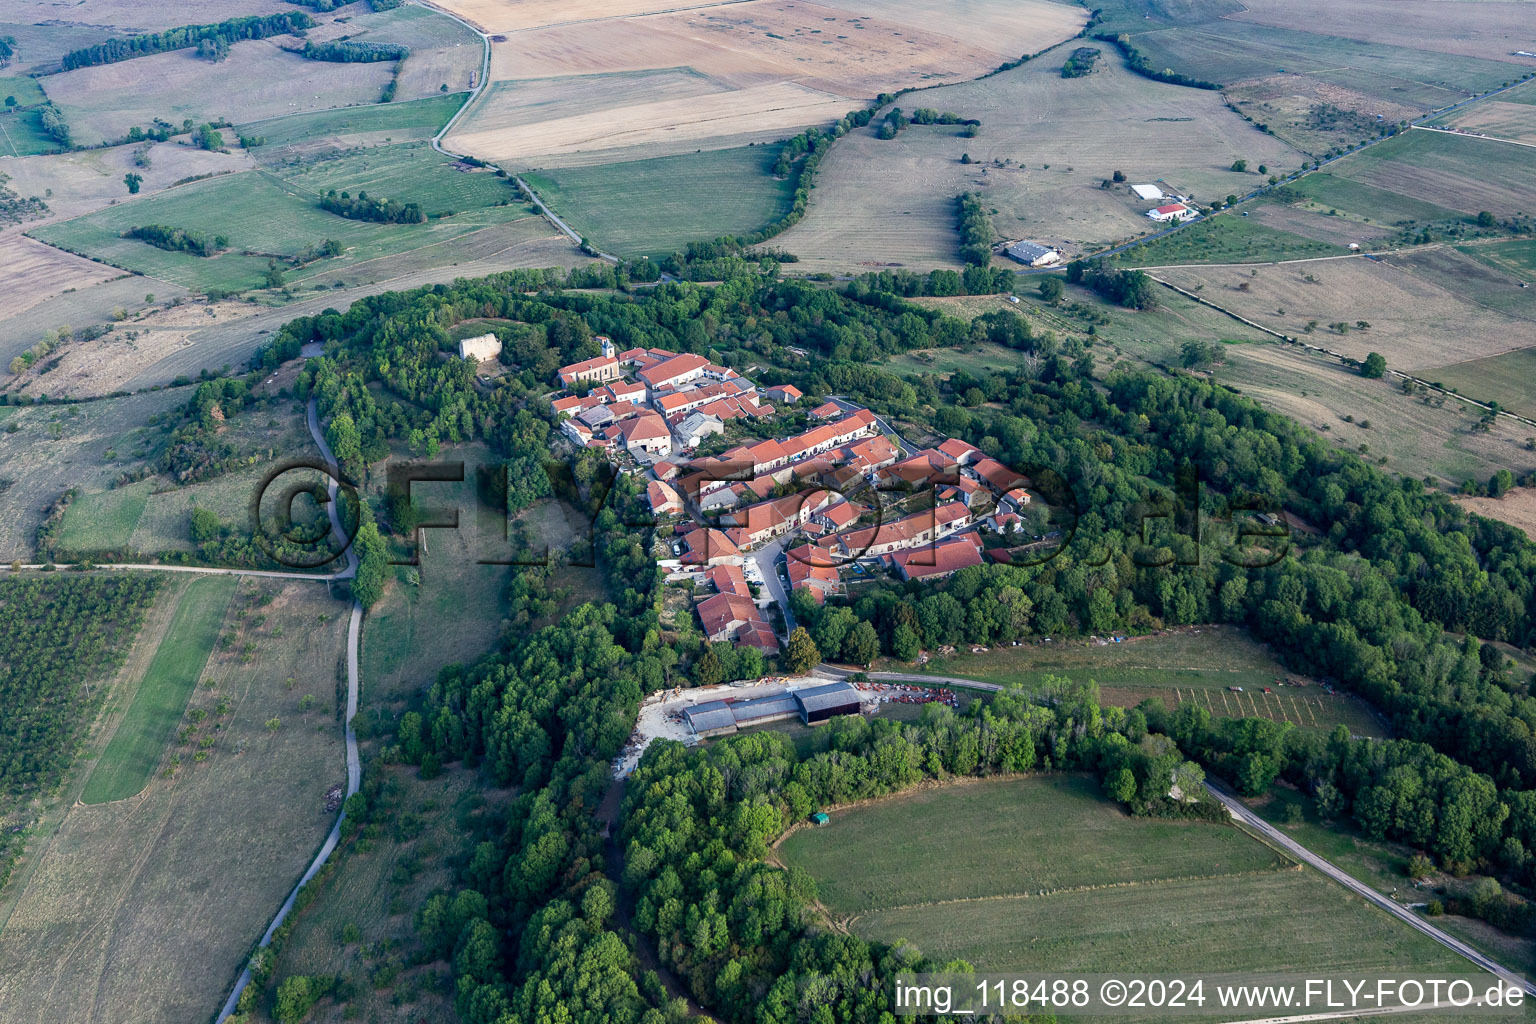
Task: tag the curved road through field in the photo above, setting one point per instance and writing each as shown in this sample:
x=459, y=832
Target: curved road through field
x=1275, y=837
x=354, y=764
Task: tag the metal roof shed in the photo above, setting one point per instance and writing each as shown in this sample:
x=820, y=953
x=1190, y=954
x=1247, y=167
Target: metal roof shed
x=819, y=703
x=712, y=718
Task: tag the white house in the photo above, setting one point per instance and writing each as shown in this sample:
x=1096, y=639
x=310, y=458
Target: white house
x=1173, y=211
x=1147, y=192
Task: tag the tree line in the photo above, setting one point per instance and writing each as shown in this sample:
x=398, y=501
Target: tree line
x=226, y=32
x=351, y=51
x=381, y=211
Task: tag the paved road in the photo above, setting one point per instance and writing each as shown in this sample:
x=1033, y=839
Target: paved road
x=1257, y=824
x=566, y=229
x=1473, y=135
x=354, y=763
x=767, y=559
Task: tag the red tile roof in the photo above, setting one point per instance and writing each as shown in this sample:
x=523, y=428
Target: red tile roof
x=670, y=369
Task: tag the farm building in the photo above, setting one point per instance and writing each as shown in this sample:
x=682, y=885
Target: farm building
x=811, y=705
x=713, y=718
x=1173, y=211
x=819, y=703
x=481, y=347
x=1147, y=192
x=1033, y=254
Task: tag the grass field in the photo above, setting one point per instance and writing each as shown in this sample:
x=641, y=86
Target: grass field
x=1328, y=191
x=1383, y=866
x=1045, y=146
x=1423, y=309
x=655, y=207
x=1509, y=379
x=1516, y=258
x=860, y=871
x=409, y=172
x=1229, y=238
x=1455, y=171
x=55, y=448
x=404, y=121
x=155, y=902
x=448, y=609
x=261, y=213
x=141, y=737
x=1196, y=665
x=21, y=134
x=1036, y=873
x=104, y=520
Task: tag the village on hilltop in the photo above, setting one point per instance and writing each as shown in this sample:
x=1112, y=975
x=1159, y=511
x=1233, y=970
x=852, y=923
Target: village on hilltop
x=839, y=499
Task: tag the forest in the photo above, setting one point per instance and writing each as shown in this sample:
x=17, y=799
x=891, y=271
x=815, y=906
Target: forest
x=61, y=638
x=1391, y=599
x=232, y=30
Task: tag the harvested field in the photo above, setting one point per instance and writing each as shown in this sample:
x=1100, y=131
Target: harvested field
x=499, y=16
x=1455, y=171
x=55, y=448
x=1414, y=437
x=155, y=901
x=1489, y=29
x=128, y=16
x=758, y=70
x=1046, y=144
x=1417, y=316
x=84, y=308
x=655, y=207
x=170, y=346
x=89, y=180
x=1505, y=118
x=1132, y=894
x=35, y=272
x=666, y=126
x=259, y=79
